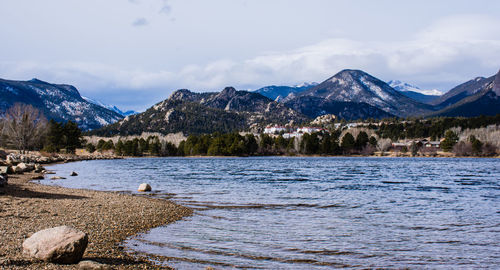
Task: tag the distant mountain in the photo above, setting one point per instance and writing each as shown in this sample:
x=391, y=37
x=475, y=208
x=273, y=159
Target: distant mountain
x=462, y=91
x=195, y=113
x=372, y=96
x=316, y=106
x=280, y=92
x=480, y=96
x=110, y=107
x=60, y=102
x=414, y=92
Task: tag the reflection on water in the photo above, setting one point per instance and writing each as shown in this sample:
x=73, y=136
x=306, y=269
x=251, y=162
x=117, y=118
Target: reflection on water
x=314, y=213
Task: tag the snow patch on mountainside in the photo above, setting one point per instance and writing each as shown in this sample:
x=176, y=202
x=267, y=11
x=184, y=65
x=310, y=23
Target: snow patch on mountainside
x=405, y=87
x=110, y=107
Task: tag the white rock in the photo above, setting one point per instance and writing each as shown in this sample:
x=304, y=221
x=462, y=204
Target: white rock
x=17, y=169
x=61, y=244
x=22, y=167
x=144, y=187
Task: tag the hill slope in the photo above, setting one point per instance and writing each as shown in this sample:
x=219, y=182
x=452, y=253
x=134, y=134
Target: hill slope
x=60, y=102
x=196, y=113
x=462, y=91
x=277, y=93
x=484, y=101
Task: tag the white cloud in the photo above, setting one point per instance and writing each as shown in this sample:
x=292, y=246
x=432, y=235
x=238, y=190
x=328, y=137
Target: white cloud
x=446, y=53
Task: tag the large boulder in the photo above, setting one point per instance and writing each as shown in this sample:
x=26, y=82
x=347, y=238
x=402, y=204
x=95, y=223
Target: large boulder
x=6, y=169
x=61, y=244
x=144, y=187
x=25, y=167
x=17, y=169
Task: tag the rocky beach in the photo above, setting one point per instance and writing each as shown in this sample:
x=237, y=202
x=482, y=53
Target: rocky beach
x=108, y=218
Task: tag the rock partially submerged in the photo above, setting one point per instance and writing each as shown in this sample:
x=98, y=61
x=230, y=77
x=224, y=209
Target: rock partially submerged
x=144, y=187
x=37, y=177
x=61, y=244
x=73, y=174
x=57, y=178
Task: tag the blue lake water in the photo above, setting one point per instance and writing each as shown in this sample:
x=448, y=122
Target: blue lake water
x=314, y=213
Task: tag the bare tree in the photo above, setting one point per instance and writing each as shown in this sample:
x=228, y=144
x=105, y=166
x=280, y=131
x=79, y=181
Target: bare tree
x=23, y=126
x=384, y=144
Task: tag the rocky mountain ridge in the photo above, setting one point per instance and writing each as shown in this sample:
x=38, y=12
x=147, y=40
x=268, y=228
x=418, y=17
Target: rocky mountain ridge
x=195, y=113
x=356, y=86
x=480, y=96
x=60, y=102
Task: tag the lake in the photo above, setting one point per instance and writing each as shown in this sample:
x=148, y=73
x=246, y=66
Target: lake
x=313, y=212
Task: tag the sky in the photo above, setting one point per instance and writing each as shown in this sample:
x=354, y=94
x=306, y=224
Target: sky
x=135, y=53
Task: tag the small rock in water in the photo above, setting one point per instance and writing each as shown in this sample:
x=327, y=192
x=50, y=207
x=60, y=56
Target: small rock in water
x=37, y=177
x=144, y=187
x=73, y=174
x=57, y=178
x=61, y=244
x=91, y=265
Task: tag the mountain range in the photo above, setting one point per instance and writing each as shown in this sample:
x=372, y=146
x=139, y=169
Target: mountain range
x=414, y=92
x=278, y=93
x=196, y=113
x=60, y=102
x=110, y=107
x=349, y=94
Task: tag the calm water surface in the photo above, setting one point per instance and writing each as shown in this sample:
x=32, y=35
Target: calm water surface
x=314, y=213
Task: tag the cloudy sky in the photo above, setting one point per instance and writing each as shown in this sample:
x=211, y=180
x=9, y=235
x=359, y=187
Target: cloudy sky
x=134, y=53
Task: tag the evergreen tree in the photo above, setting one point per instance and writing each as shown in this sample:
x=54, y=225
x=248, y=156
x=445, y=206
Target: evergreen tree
x=54, y=138
x=414, y=149
x=476, y=144
x=119, y=148
x=72, y=136
x=361, y=140
x=251, y=144
x=450, y=139
x=348, y=142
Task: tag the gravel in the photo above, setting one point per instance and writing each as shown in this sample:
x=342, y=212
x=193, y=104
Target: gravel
x=107, y=217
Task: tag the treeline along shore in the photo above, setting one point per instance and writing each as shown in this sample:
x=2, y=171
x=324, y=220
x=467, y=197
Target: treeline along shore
x=23, y=128
x=449, y=137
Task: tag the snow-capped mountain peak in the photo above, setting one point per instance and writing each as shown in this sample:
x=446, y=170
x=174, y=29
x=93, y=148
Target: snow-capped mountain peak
x=110, y=107
x=305, y=84
x=406, y=87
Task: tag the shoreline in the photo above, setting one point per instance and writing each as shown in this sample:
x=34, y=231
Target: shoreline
x=109, y=218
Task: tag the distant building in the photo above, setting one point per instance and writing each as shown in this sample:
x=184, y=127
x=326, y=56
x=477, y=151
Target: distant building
x=274, y=129
x=433, y=144
x=292, y=135
x=309, y=130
